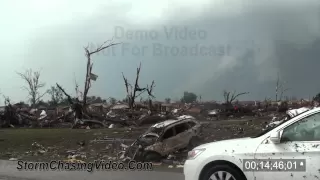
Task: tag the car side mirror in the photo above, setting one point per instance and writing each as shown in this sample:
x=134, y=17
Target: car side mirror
x=275, y=137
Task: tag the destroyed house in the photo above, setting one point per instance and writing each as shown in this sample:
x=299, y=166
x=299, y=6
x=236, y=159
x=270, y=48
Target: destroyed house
x=99, y=107
x=210, y=105
x=42, y=107
x=177, y=105
x=248, y=103
x=141, y=105
x=166, y=107
x=63, y=110
x=119, y=107
x=194, y=110
x=157, y=105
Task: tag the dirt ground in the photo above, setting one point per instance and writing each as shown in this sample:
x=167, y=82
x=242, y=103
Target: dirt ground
x=58, y=144
x=236, y=128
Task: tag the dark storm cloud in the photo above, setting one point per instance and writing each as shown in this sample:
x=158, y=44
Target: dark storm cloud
x=258, y=40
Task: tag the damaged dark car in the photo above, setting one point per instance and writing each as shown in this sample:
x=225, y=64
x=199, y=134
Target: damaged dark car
x=165, y=138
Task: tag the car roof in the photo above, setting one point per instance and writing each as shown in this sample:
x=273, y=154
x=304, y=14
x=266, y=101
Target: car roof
x=295, y=112
x=169, y=122
x=316, y=109
x=311, y=111
x=298, y=117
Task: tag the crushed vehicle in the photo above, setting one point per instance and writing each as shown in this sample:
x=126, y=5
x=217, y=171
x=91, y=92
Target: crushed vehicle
x=165, y=138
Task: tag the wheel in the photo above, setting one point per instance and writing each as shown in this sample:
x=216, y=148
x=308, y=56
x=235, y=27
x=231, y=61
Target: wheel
x=150, y=156
x=222, y=172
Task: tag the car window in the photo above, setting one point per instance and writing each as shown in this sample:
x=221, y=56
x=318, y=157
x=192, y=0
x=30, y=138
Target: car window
x=181, y=128
x=169, y=133
x=307, y=129
x=191, y=124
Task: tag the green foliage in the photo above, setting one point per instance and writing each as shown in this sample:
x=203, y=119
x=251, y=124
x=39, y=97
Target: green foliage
x=56, y=95
x=112, y=100
x=125, y=100
x=189, y=97
x=317, y=97
x=167, y=100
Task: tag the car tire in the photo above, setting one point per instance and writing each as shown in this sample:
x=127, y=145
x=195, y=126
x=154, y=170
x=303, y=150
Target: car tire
x=236, y=174
x=150, y=156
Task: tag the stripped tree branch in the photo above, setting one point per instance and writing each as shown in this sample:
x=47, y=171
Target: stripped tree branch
x=136, y=90
x=66, y=94
x=33, y=85
x=230, y=97
x=88, y=54
x=280, y=87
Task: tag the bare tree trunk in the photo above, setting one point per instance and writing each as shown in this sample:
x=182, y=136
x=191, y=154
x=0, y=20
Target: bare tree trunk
x=136, y=86
x=277, y=87
x=132, y=91
x=87, y=83
x=87, y=80
x=280, y=88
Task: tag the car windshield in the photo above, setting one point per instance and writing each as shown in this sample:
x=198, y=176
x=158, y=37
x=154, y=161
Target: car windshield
x=268, y=130
x=154, y=130
x=285, y=119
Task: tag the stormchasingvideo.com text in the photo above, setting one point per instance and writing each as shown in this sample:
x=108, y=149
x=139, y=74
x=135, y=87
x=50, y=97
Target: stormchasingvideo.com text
x=99, y=165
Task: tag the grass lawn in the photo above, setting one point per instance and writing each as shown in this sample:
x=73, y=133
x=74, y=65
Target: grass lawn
x=17, y=143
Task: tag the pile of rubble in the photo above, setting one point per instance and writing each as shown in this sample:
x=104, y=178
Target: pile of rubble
x=119, y=115
x=167, y=141
x=174, y=132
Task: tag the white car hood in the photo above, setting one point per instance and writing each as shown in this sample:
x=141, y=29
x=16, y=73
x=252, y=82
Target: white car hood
x=230, y=144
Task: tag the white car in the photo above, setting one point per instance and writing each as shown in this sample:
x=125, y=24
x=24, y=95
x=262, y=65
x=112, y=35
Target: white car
x=297, y=138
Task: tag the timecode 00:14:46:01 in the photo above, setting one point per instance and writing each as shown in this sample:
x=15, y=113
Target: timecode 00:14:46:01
x=293, y=165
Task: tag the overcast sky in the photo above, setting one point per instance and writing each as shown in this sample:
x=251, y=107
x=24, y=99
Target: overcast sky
x=231, y=44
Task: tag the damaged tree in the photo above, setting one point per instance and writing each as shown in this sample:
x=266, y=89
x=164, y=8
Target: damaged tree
x=267, y=102
x=89, y=75
x=9, y=113
x=135, y=91
x=230, y=97
x=78, y=92
x=6, y=100
x=34, y=85
x=77, y=107
x=280, y=89
x=10, y=117
x=317, y=98
x=56, y=95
